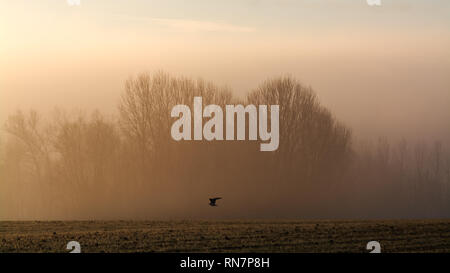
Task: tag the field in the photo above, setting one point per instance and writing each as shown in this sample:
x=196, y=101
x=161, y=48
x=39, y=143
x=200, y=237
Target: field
x=226, y=236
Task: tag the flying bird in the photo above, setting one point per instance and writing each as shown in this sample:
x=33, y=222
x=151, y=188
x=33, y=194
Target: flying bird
x=212, y=201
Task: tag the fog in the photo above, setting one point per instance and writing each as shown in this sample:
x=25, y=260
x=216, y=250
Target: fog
x=383, y=72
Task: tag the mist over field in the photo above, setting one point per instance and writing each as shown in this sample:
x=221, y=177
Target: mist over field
x=85, y=120
x=88, y=166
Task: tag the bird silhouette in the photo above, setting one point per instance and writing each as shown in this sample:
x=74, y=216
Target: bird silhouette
x=212, y=201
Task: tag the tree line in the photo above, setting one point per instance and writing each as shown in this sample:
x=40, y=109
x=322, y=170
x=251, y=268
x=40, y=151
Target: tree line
x=92, y=166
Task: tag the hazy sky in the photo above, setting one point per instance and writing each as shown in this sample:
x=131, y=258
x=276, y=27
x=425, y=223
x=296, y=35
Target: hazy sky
x=382, y=70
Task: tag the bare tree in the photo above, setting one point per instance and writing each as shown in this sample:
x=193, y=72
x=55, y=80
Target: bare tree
x=30, y=131
x=312, y=142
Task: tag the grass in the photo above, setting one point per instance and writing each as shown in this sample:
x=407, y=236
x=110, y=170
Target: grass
x=226, y=236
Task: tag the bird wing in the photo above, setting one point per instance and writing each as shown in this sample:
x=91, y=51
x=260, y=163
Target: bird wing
x=214, y=199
